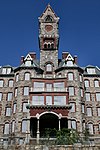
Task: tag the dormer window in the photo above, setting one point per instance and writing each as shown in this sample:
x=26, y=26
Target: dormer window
x=28, y=63
x=69, y=63
x=6, y=70
x=91, y=70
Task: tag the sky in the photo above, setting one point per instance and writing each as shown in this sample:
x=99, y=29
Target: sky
x=79, y=29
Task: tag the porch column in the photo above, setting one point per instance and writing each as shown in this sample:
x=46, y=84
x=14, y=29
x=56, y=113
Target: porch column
x=38, y=132
x=59, y=124
x=69, y=124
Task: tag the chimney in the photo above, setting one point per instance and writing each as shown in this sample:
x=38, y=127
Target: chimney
x=33, y=55
x=22, y=60
x=64, y=55
x=75, y=59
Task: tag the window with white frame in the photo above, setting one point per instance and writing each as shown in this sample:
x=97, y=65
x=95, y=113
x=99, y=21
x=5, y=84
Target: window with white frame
x=13, y=126
x=3, y=70
x=80, y=76
x=24, y=107
x=24, y=126
x=86, y=83
x=59, y=100
x=6, y=128
x=73, y=124
x=17, y=77
x=70, y=76
x=91, y=70
x=96, y=83
x=98, y=96
x=72, y=107
x=1, y=83
x=9, y=97
x=8, y=111
x=38, y=86
x=90, y=125
x=1, y=95
x=48, y=100
x=14, y=107
x=71, y=91
x=10, y=83
x=26, y=91
x=58, y=86
x=98, y=111
x=49, y=67
x=83, y=108
x=48, y=86
x=8, y=70
x=69, y=63
x=16, y=92
x=89, y=111
x=27, y=76
x=37, y=100
x=87, y=96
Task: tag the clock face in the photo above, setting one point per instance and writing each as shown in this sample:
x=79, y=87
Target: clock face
x=48, y=28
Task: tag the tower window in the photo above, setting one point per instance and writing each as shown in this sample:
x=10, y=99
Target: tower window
x=48, y=18
x=48, y=67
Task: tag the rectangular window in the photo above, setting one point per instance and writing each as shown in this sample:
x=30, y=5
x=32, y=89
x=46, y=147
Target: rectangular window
x=98, y=96
x=49, y=87
x=69, y=63
x=59, y=86
x=17, y=77
x=1, y=96
x=91, y=70
x=24, y=107
x=48, y=100
x=81, y=92
x=14, y=108
x=90, y=128
x=11, y=83
x=59, y=100
x=87, y=96
x=6, y=128
x=73, y=124
x=98, y=110
x=28, y=63
x=70, y=76
x=9, y=97
x=96, y=83
x=26, y=91
x=86, y=82
x=89, y=111
x=1, y=83
x=4, y=71
x=83, y=108
x=72, y=107
x=24, y=126
x=80, y=76
x=8, y=70
x=71, y=91
x=37, y=100
x=8, y=111
x=38, y=86
x=13, y=126
x=16, y=92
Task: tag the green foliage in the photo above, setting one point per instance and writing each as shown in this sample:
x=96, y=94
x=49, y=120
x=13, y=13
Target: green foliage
x=67, y=137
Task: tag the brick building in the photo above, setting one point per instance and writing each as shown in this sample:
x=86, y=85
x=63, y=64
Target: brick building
x=50, y=93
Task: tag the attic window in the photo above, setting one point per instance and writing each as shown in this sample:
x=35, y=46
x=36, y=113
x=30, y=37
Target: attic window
x=69, y=63
x=6, y=70
x=91, y=70
x=28, y=63
x=48, y=18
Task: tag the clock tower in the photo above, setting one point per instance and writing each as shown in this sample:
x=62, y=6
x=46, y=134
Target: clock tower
x=48, y=40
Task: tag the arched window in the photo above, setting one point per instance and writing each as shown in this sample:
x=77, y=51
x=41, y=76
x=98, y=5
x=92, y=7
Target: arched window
x=45, y=46
x=96, y=83
x=1, y=83
x=10, y=83
x=73, y=124
x=52, y=46
x=49, y=67
x=49, y=45
x=27, y=76
x=70, y=76
x=90, y=125
x=86, y=83
x=6, y=128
